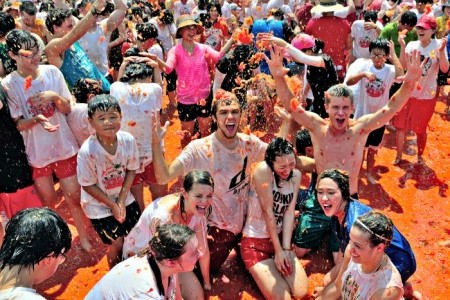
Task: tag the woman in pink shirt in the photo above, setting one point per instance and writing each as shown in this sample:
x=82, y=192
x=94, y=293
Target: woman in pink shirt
x=190, y=60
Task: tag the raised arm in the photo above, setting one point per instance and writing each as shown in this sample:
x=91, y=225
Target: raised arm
x=116, y=17
x=375, y=120
x=310, y=120
x=163, y=173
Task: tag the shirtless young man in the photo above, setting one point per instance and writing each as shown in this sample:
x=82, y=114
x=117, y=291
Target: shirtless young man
x=339, y=141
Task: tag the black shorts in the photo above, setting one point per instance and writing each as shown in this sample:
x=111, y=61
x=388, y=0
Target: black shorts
x=171, y=80
x=375, y=137
x=109, y=229
x=190, y=112
x=442, y=78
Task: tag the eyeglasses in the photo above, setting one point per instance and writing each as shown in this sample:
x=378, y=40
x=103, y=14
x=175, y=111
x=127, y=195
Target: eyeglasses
x=377, y=55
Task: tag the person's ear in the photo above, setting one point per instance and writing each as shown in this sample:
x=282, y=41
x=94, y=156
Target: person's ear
x=12, y=55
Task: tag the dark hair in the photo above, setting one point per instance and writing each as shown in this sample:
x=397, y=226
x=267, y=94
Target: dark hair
x=7, y=22
x=169, y=240
x=146, y=31
x=195, y=177
x=46, y=6
x=318, y=46
x=302, y=140
x=135, y=11
x=166, y=16
x=379, y=227
x=370, y=16
x=215, y=5
x=103, y=103
x=338, y=90
x=134, y=71
x=277, y=13
x=56, y=17
x=85, y=87
x=28, y=7
x=32, y=235
x=242, y=53
x=409, y=18
x=202, y=4
x=340, y=178
x=278, y=147
x=18, y=39
x=380, y=43
x=424, y=1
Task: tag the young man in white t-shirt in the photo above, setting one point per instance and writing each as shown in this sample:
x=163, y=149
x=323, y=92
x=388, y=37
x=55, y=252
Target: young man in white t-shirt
x=107, y=163
x=373, y=79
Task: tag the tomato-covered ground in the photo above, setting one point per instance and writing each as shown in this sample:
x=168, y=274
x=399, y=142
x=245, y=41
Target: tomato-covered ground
x=414, y=196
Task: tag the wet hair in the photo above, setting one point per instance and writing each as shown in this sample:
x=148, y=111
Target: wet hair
x=56, y=17
x=166, y=16
x=135, y=11
x=338, y=90
x=169, y=240
x=103, y=103
x=46, y=6
x=223, y=98
x=278, y=147
x=380, y=43
x=85, y=87
x=409, y=18
x=28, y=7
x=302, y=140
x=135, y=71
x=378, y=227
x=424, y=1
x=340, y=178
x=146, y=31
x=7, y=22
x=32, y=235
x=370, y=16
x=18, y=39
x=318, y=46
x=242, y=53
x=195, y=177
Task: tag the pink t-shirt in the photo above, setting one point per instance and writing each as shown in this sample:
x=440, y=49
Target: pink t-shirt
x=194, y=82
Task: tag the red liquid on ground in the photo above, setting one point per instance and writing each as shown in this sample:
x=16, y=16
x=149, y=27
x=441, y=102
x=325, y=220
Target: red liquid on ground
x=415, y=197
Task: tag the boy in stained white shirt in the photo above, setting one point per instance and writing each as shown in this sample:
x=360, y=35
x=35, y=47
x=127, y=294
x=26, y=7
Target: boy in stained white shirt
x=107, y=162
x=39, y=101
x=363, y=32
x=373, y=79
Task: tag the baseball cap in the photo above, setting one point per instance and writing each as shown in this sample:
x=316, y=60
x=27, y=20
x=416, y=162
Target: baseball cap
x=303, y=41
x=427, y=22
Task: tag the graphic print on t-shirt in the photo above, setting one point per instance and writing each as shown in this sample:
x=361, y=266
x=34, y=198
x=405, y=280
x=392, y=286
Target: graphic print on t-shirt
x=364, y=42
x=375, y=88
x=239, y=182
x=350, y=288
x=426, y=67
x=112, y=177
x=45, y=109
x=280, y=204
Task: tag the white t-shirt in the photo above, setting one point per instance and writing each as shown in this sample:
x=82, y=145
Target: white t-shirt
x=155, y=214
x=370, y=96
x=42, y=147
x=362, y=39
x=226, y=10
x=95, y=44
x=427, y=82
x=165, y=34
x=255, y=224
x=182, y=9
x=79, y=124
x=231, y=170
x=107, y=171
x=131, y=279
x=19, y=293
x=358, y=285
x=137, y=102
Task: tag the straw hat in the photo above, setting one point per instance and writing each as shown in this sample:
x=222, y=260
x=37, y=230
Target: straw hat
x=326, y=6
x=186, y=20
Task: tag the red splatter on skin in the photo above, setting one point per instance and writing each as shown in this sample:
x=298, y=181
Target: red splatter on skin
x=28, y=82
x=294, y=104
x=132, y=123
x=418, y=87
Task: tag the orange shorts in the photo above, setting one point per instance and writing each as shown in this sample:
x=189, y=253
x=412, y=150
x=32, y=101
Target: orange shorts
x=11, y=203
x=62, y=168
x=148, y=176
x=254, y=250
x=415, y=115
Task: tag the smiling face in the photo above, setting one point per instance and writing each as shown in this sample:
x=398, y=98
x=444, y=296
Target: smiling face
x=339, y=110
x=284, y=165
x=329, y=196
x=228, y=116
x=188, y=33
x=361, y=251
x=378, y=57
x=27, y=60
x=424, y=34
x=106, y=123
x=198, y=200
x=28, y=20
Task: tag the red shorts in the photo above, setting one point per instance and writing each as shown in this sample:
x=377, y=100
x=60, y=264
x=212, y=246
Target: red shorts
x=11, y=203
x=148, y=176
x=254, y=250
x=415, y=115
x=62, y=168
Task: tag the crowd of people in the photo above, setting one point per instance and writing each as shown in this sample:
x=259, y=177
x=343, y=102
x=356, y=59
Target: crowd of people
x=82, y=104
